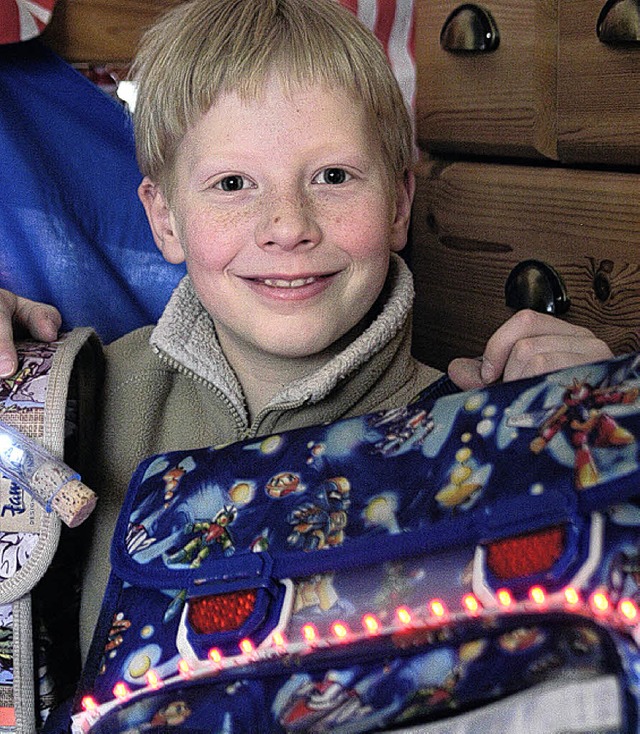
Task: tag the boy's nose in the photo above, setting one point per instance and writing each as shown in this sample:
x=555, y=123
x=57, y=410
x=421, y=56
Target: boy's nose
x=288, y=224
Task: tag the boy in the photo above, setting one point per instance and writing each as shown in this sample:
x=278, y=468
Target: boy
x=276, y=154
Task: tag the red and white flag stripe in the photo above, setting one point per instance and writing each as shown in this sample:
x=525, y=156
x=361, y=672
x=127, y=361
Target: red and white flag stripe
x=393, y=23
x=21, y=20
x=390, y=20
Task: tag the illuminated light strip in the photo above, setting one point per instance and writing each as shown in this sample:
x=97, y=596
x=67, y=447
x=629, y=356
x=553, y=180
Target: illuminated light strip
x=438, y=609
x=120, y=691
x=371, y=624
x=599, y=602
x=628, y=609
x=247, y=647
x=89, y=703
x=403, y=615
x=215, y=656
x=278, y=639
x=571, y=596
x=340, y=630
x=310, y=633
x=537, y=595
x=153, y=680
x=184, y=668
x=471, y=604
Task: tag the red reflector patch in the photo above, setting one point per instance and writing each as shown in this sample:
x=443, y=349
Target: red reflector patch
x=524, y=555
x=221, y=612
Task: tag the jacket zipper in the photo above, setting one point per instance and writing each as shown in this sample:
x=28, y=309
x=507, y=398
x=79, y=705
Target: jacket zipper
x=242, y=429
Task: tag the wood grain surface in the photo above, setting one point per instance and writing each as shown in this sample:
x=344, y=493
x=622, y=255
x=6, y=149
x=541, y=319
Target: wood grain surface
x=100, y=31
x=499, y=103
x=598, y=91
x=473, y=223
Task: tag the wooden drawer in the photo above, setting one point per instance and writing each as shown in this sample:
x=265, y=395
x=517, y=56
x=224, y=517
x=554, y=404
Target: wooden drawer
x=474, y=222
x=99, y=31
x=497, y=103
x=598, y=85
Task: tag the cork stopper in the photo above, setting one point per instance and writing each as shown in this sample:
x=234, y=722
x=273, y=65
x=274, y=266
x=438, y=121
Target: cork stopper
x=74, y=502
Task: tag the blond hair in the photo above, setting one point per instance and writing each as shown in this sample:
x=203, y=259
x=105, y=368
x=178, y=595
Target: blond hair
x=202, y=49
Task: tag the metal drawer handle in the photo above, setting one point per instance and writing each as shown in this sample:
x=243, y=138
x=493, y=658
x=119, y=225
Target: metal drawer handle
x=536, y=285
x=619, y=23
x=469, y=29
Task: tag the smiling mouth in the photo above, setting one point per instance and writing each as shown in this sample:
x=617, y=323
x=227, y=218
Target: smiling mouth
x=286, y=283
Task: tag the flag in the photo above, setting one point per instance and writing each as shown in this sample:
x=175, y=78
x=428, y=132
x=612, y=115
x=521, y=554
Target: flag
x=392, y=21
x=21, y=20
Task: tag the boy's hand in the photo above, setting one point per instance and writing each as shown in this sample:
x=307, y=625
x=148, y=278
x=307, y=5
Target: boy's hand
x=36, y=319
x=528, y=344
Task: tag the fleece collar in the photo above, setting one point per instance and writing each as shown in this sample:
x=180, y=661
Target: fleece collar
x=186, y=335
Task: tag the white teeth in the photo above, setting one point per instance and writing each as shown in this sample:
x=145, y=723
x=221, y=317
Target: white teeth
x=279, y=283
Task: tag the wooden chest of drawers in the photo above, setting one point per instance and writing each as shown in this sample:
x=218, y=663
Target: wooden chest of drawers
x=531, y=151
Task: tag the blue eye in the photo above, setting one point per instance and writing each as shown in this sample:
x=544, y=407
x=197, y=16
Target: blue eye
x=333, y=176
x=231, y=183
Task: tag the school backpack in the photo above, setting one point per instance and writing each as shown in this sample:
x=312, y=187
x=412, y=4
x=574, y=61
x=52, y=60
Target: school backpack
x=469, y=562
x=50, y=401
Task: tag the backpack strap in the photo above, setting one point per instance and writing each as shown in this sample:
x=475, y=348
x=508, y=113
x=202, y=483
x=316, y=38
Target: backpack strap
x=51, y=398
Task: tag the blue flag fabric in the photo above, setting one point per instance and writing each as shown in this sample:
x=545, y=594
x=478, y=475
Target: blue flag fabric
x=72, y=230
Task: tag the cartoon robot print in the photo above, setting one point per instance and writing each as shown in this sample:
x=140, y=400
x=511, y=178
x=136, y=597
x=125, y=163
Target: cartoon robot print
x=321, y=523
x=583, y=418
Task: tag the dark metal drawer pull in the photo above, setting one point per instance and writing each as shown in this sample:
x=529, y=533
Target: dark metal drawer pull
x=469, y=29
x=536, y=285
x=619, y=23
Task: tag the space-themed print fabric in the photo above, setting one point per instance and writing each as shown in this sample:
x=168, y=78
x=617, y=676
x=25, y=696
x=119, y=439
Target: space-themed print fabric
x=402, y=566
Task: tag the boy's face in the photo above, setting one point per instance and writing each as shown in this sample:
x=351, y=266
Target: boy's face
x=283, y=213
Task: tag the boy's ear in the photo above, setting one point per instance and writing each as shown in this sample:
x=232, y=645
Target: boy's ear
x=161, y=221
x=405, y=190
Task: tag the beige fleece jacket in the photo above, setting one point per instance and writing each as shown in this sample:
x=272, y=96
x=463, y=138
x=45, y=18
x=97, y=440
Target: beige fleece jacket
x=170, y=387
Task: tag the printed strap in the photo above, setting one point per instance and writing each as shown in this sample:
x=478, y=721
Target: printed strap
x=36, y=401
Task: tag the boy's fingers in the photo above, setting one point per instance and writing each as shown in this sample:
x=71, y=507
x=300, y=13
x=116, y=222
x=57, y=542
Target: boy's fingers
x=522, y=325
x=543, y=354
x=465, y=372
x=8, y=357
x=531, y=343
x=37, y=319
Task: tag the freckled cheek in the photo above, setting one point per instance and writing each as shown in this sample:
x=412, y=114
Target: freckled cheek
x=363, y=232
x=211, y=243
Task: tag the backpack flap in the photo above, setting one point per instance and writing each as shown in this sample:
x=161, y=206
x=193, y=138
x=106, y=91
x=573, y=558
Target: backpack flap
x=42, y=401
x=374, y=547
